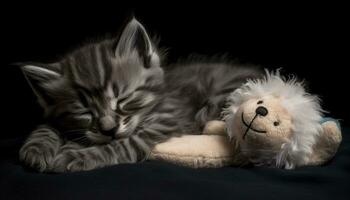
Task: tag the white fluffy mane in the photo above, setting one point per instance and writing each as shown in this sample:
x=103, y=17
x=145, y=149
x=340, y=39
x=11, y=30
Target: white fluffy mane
x=304, y=108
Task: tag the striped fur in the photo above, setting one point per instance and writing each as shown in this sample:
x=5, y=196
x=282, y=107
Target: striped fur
x=110, y=102
x=40, y=148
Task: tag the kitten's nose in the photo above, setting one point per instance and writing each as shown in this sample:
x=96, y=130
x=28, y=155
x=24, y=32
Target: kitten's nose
x=110, y=132
x=107, y=125
x=261, y=110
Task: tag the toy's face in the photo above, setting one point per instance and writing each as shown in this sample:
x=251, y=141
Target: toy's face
x=264, y=125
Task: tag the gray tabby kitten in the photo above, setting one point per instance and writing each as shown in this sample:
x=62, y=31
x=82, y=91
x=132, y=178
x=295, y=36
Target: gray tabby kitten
x=110, y=102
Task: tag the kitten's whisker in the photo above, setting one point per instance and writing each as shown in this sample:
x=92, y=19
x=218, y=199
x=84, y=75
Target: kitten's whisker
x=78, y=139
x=258, y=150
x=74, y=130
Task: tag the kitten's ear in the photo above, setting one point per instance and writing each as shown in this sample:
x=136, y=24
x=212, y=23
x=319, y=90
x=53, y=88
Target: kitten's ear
x=43, y=80
x=135, y=39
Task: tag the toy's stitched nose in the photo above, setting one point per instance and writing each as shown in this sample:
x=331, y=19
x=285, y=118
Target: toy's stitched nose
x=261, y=110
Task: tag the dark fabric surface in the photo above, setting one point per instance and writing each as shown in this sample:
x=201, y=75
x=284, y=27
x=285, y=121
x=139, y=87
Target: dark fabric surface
x=158, y=180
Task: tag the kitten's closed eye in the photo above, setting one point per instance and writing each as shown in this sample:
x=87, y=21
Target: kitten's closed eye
x=135, y=102
x=126, y=97
x=82, y=98
x=121, y=103
x=133, y=106
x=84, y=119
x=72, y=122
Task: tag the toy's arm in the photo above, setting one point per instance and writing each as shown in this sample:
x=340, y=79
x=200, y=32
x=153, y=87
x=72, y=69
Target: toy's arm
x=215, y=127
x=212, y=149
x=196, y=151
x=327, y=143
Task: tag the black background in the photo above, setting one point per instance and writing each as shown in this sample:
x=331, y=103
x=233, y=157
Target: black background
x=306, y=40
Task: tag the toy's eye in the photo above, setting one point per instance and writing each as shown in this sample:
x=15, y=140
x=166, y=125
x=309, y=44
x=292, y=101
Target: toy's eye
x=260, y=102
x=276, y=123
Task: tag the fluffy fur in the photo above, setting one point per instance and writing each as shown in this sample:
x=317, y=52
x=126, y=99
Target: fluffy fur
x=97, y=102
x=304, y=109
x=110, y=102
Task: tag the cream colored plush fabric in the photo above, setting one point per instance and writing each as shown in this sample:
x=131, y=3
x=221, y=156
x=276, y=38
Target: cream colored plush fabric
x=213, y=151
x=196, y=151
x=327, y=143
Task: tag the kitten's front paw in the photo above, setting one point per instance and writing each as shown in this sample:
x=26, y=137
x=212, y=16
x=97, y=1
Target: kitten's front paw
x=36, y=156
x=72, y=161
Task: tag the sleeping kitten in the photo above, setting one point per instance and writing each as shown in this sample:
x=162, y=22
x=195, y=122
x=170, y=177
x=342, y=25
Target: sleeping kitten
x=110, y=102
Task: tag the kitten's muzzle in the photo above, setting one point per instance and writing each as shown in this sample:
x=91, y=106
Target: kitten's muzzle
x=108, y=126
x=110, y=132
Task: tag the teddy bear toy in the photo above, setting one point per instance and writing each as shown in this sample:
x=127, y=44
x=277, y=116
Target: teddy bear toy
x=271, y=121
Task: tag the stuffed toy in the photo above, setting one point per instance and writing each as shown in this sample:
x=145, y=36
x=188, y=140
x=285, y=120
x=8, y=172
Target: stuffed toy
x=271, y=121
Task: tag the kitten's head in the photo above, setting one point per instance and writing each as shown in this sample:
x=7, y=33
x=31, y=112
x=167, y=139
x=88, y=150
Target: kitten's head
x=101, y=90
